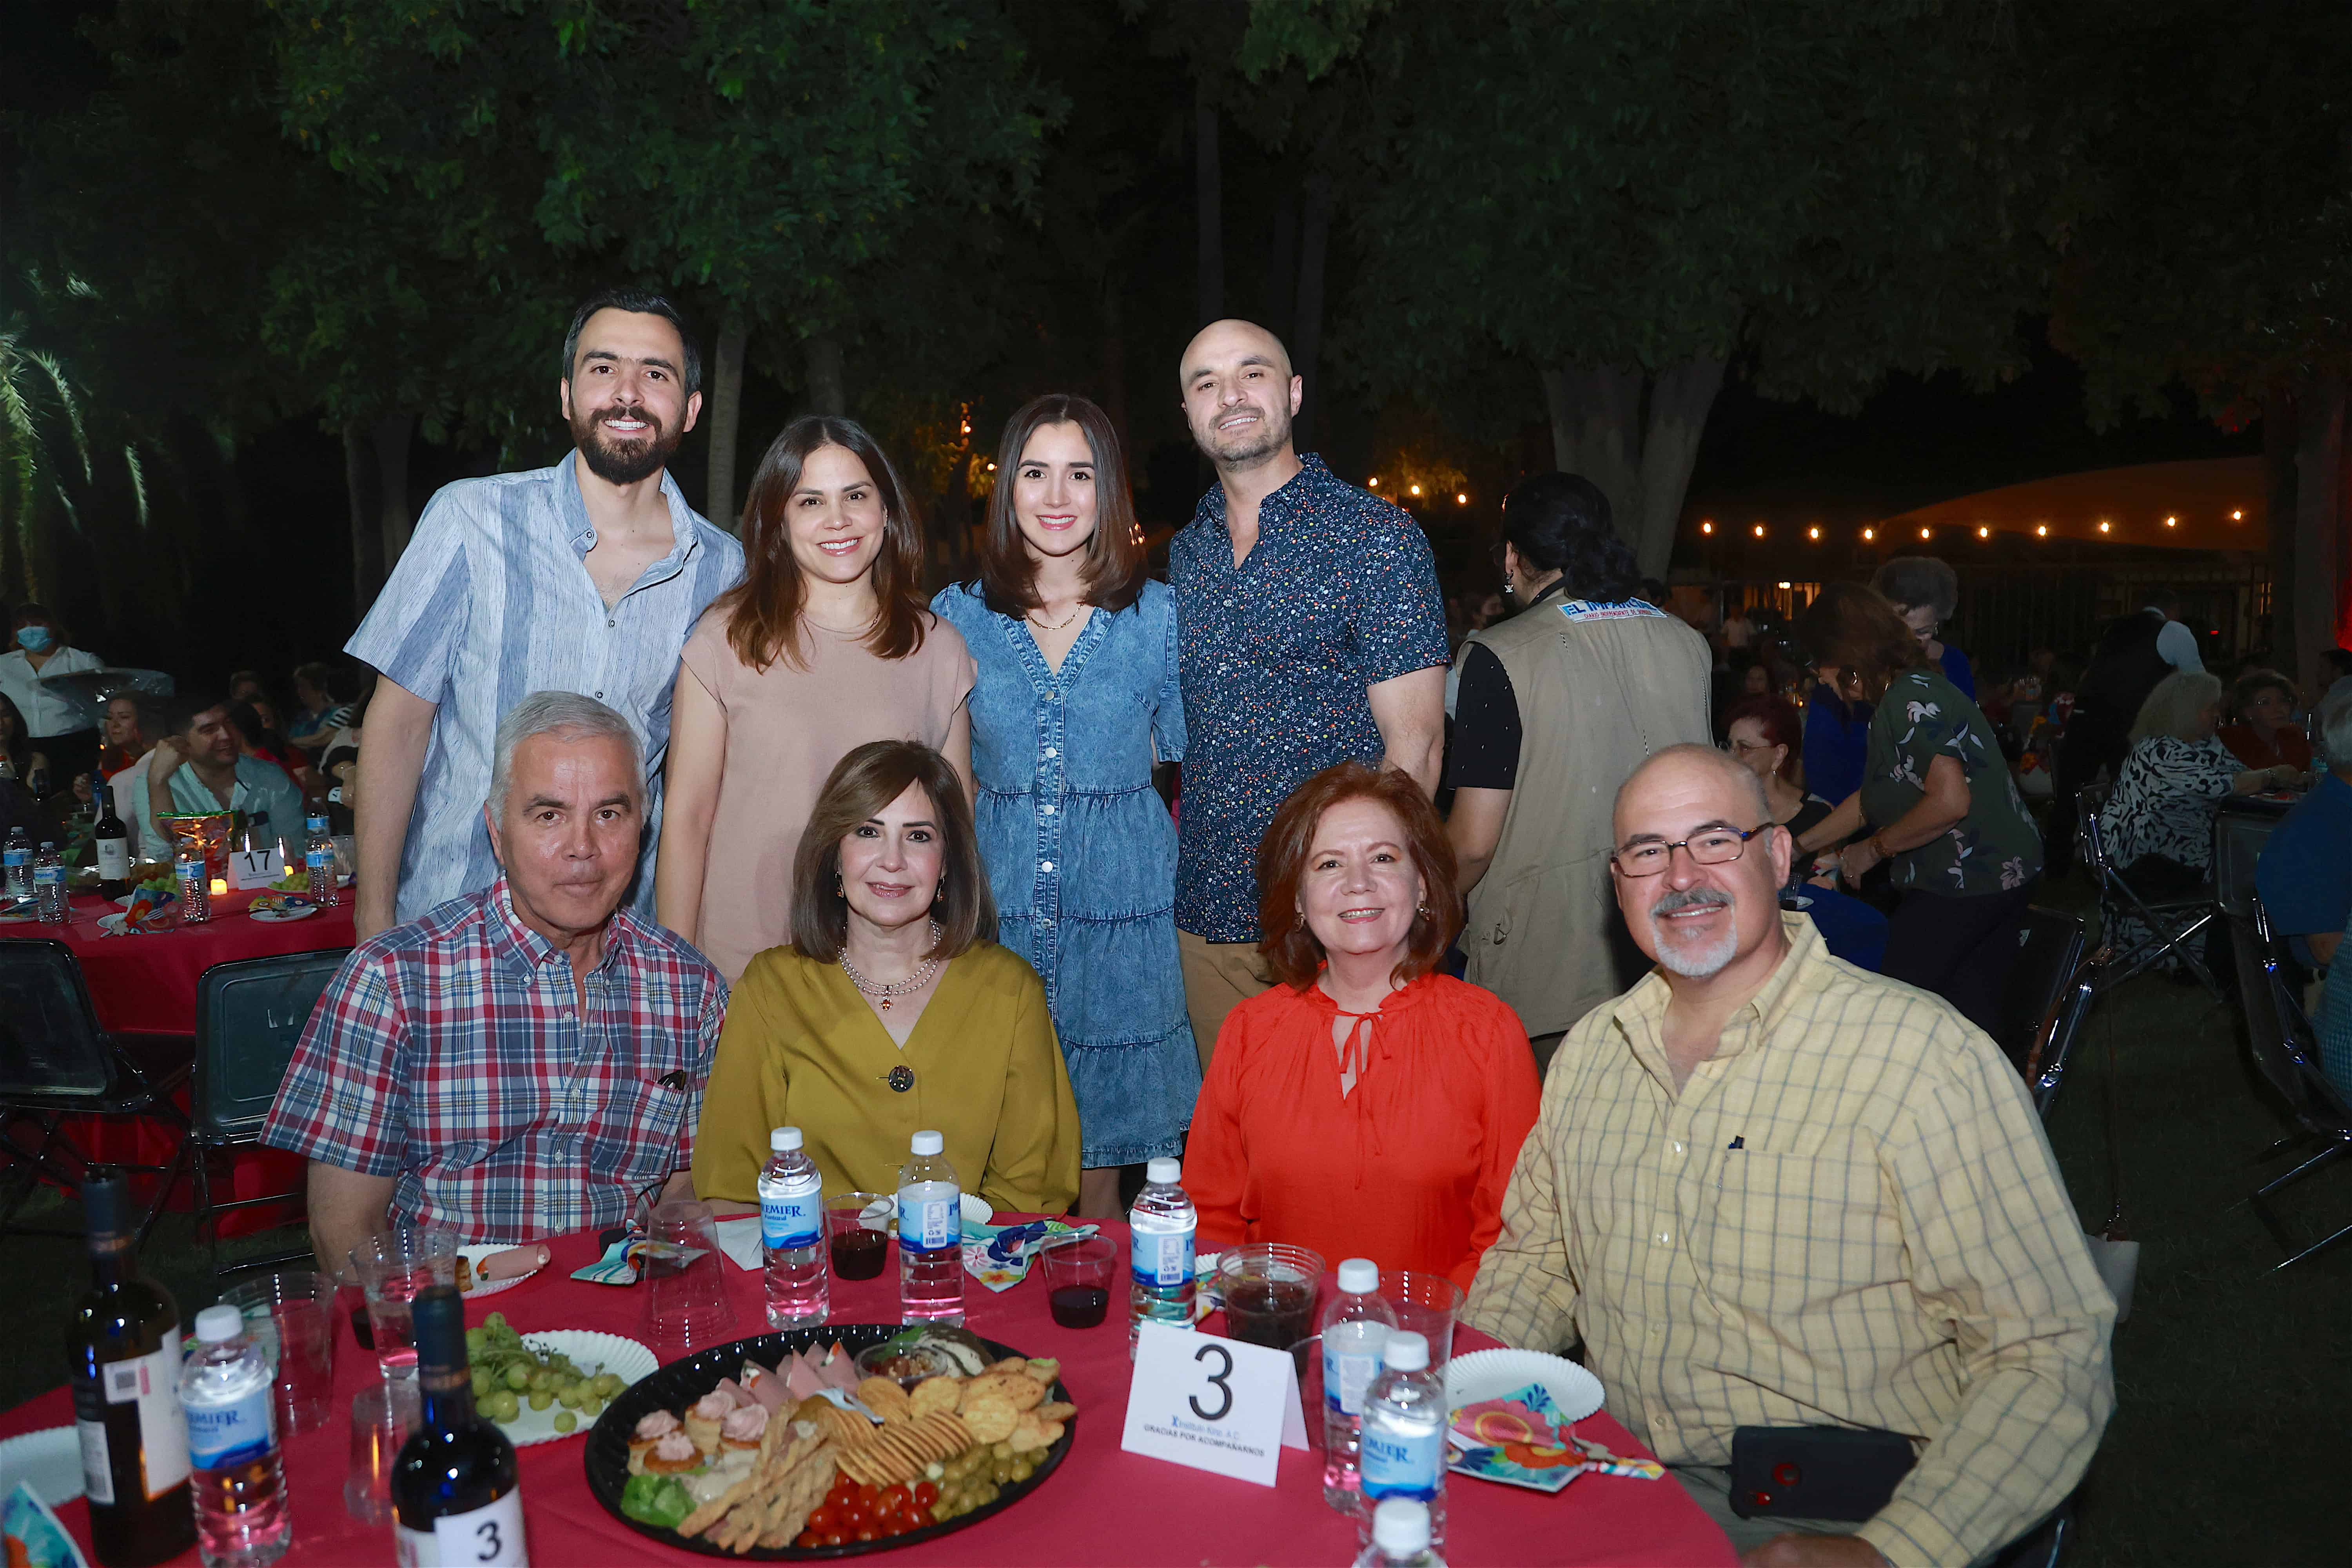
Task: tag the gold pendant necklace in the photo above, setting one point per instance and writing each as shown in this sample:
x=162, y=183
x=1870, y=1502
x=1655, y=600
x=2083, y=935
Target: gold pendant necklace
x=1059, y=624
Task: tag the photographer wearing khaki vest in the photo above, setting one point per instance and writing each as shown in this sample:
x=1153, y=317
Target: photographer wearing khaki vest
x=1559, y=704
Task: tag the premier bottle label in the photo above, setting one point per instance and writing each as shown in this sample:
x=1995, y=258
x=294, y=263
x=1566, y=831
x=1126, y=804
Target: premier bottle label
x=1161, y=1258
x=1346, y=1376
x=221, y=1437
x=927, y=1224
x=790, y=1220
x=1402, y=1464
x=489, y=1537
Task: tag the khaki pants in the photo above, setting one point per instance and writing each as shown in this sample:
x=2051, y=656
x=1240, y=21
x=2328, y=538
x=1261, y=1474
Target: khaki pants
x=1218, y=977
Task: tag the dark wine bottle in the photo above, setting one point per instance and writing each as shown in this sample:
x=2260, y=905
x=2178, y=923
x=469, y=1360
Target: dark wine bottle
x=454, y=1495
x=110, y=843
x=123, y=1347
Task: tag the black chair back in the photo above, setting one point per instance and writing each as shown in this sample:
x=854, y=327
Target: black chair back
x=249, y=1017
x=50, y=1045
x=2049, y=950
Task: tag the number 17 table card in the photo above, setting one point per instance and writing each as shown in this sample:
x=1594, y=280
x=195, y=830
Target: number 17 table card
x=1212, y=1403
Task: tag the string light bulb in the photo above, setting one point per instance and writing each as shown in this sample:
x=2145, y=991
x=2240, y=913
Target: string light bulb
x=1759, y=530
x=1926, y=533
x=1983, y=533
x=2171, y=523
x=1706, y=527
x=1813, y=532
x=1375, y=481
x=1461, y=498
x=1868, y=534
x=2104, y=526
x=2239, y=516
x=2042, y=531
x=1413, y=489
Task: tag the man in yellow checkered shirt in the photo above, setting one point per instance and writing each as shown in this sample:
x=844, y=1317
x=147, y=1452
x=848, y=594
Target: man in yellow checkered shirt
x=1770, y=1189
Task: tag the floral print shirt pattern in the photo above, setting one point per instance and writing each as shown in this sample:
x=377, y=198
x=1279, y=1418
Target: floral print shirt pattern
x=1993, y=848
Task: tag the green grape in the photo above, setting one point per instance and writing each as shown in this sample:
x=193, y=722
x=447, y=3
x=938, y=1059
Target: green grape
x=541, y=1399
x=592, y=1408
x=568, y=1397
x=504, y=1405
x=518, y=1377
x=475, y=1340
x=566, y=1421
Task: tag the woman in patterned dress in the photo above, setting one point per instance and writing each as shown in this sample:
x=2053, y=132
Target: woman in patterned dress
x=1077, y=698
x=1937, y=796
x=2161, y=817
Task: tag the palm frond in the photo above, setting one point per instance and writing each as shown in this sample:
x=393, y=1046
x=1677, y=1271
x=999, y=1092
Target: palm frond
x=138, y=481
x=73, y=410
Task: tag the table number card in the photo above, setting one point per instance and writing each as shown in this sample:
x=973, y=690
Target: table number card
x=257, y=869
x=1214, y=1404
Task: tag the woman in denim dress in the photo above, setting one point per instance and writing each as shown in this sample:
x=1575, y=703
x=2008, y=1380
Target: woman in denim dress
x=1076, y=698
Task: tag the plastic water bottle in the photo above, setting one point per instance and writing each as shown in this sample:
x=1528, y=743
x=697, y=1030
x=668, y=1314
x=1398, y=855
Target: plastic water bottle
x=930, y=1236
x=18, y=858
x=1159, y=1251
x=196, y=885
x=243, y=1518
x=50, y=885
x=318, y=859
x=792, y=1233
x=1356, y=1325
x=1400, y=1538
x=1404, y=1431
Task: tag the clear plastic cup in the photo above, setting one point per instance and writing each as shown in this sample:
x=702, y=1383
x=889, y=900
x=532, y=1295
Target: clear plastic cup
x=1269, y=1289
x=393, y=1268
x=686, y=1309
x=292, y=1316
x=381, y=1418
x=1081, y=1278
x=1425, y=1304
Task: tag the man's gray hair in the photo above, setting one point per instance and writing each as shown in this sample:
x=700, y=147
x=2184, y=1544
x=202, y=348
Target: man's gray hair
x=556, y=714
x=2335, y=726
x=2174, y=707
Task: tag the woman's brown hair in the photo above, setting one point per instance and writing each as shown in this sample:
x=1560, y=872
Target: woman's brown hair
x=1290, y=948
x=763, y=611
x=869, y=778
x=1855, y=629
x=1115, y=568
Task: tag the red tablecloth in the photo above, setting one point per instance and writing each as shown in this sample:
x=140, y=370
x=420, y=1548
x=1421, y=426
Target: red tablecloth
x=147, y=985
x=1103, y=1506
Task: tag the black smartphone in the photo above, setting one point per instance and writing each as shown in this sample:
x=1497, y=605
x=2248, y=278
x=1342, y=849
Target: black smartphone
x=1842, y=1473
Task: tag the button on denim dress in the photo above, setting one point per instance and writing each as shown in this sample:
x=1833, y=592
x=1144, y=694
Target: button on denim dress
x=1082, y=856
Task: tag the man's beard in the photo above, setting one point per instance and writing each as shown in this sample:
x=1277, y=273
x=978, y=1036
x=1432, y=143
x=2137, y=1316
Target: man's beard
x=1704, y=963
x=1272, y=435
x=622, y=464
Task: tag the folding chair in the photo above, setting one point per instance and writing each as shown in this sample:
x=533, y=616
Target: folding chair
x=2170, y=922
x=249, y=1018
x=2284, y=1049
x=56, y=1063
x=2050, y=987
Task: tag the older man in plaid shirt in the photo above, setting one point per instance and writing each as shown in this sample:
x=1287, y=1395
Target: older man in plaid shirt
x=522, y=1061
x=1771, y=1190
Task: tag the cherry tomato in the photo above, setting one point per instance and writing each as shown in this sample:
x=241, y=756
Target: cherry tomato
x=823, y=1517
x=833, y=1538
x=926, y=1494
x=808, y=1538
x=869, y=1534
x=897, y=1496
x=867, y=1492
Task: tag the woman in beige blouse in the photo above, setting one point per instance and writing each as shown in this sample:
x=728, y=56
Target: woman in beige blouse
x=825, y=645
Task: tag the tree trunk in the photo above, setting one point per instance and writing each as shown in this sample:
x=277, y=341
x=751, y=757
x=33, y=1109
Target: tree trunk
x=825, y=390
x=1680, y=397
x=726, y=419
x=1208, y=196
x=1314, y=235
x=2291, y=652
x=367, y=543
x=1112, y=347
x=391, y=438
x=2319, y=556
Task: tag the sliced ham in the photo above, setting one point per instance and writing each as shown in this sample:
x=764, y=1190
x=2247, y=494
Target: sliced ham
x=801, y=1380
x=738, y=1396
x=513, y=1263
x=766, y=1387
x=841, y=1371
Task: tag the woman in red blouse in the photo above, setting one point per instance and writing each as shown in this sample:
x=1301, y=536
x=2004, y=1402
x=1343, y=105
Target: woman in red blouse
x=1366, y=1106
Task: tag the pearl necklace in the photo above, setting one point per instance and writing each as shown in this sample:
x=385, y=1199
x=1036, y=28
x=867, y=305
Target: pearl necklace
x=907, y=987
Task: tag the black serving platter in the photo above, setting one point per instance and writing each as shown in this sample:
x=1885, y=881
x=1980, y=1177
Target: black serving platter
x=681, y=1383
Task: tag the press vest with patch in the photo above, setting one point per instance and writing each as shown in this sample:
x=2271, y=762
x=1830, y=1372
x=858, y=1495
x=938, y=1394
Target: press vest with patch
x=1599, y=688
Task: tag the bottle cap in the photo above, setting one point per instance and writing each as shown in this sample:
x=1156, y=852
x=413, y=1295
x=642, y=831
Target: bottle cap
x=218, y=1322
x=1401, y=1527
x=1359, y=1276
x=1164, y=1171
x=785, y=1140
x=1405, y=1352
x=47, y=845
x=927, y=1143
x=104, y=1196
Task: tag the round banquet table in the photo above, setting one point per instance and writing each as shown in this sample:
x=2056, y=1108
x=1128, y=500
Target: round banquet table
x=1102, y=1506
x=147, y=985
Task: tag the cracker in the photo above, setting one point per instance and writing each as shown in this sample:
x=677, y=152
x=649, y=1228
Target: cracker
x=935, y=1393
x=1045, y=1369
x=883, y=1396
x=1011, y=1364
x=1056, y=1410
x=1033, y=1436
x=1021, y=1393
x=991, y=1420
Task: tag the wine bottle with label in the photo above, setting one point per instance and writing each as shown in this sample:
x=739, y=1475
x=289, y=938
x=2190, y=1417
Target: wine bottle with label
x=454, y=1499
x=124, y=1349
x=110, y=843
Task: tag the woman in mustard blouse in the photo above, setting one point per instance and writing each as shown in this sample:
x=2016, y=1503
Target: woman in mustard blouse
x=892, y=1010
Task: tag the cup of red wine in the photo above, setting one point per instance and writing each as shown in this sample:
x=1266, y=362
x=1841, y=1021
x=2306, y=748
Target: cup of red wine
x=857, y=1229
x=1079, y=1276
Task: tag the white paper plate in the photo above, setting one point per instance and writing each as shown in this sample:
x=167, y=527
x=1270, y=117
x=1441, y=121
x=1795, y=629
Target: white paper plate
x=49, y=1460
x=592, y=1354
x=1491, y=1374
x=473, y=1254
x=279, y=916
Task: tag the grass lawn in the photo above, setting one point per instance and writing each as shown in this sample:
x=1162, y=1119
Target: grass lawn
x=2229, y=1438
